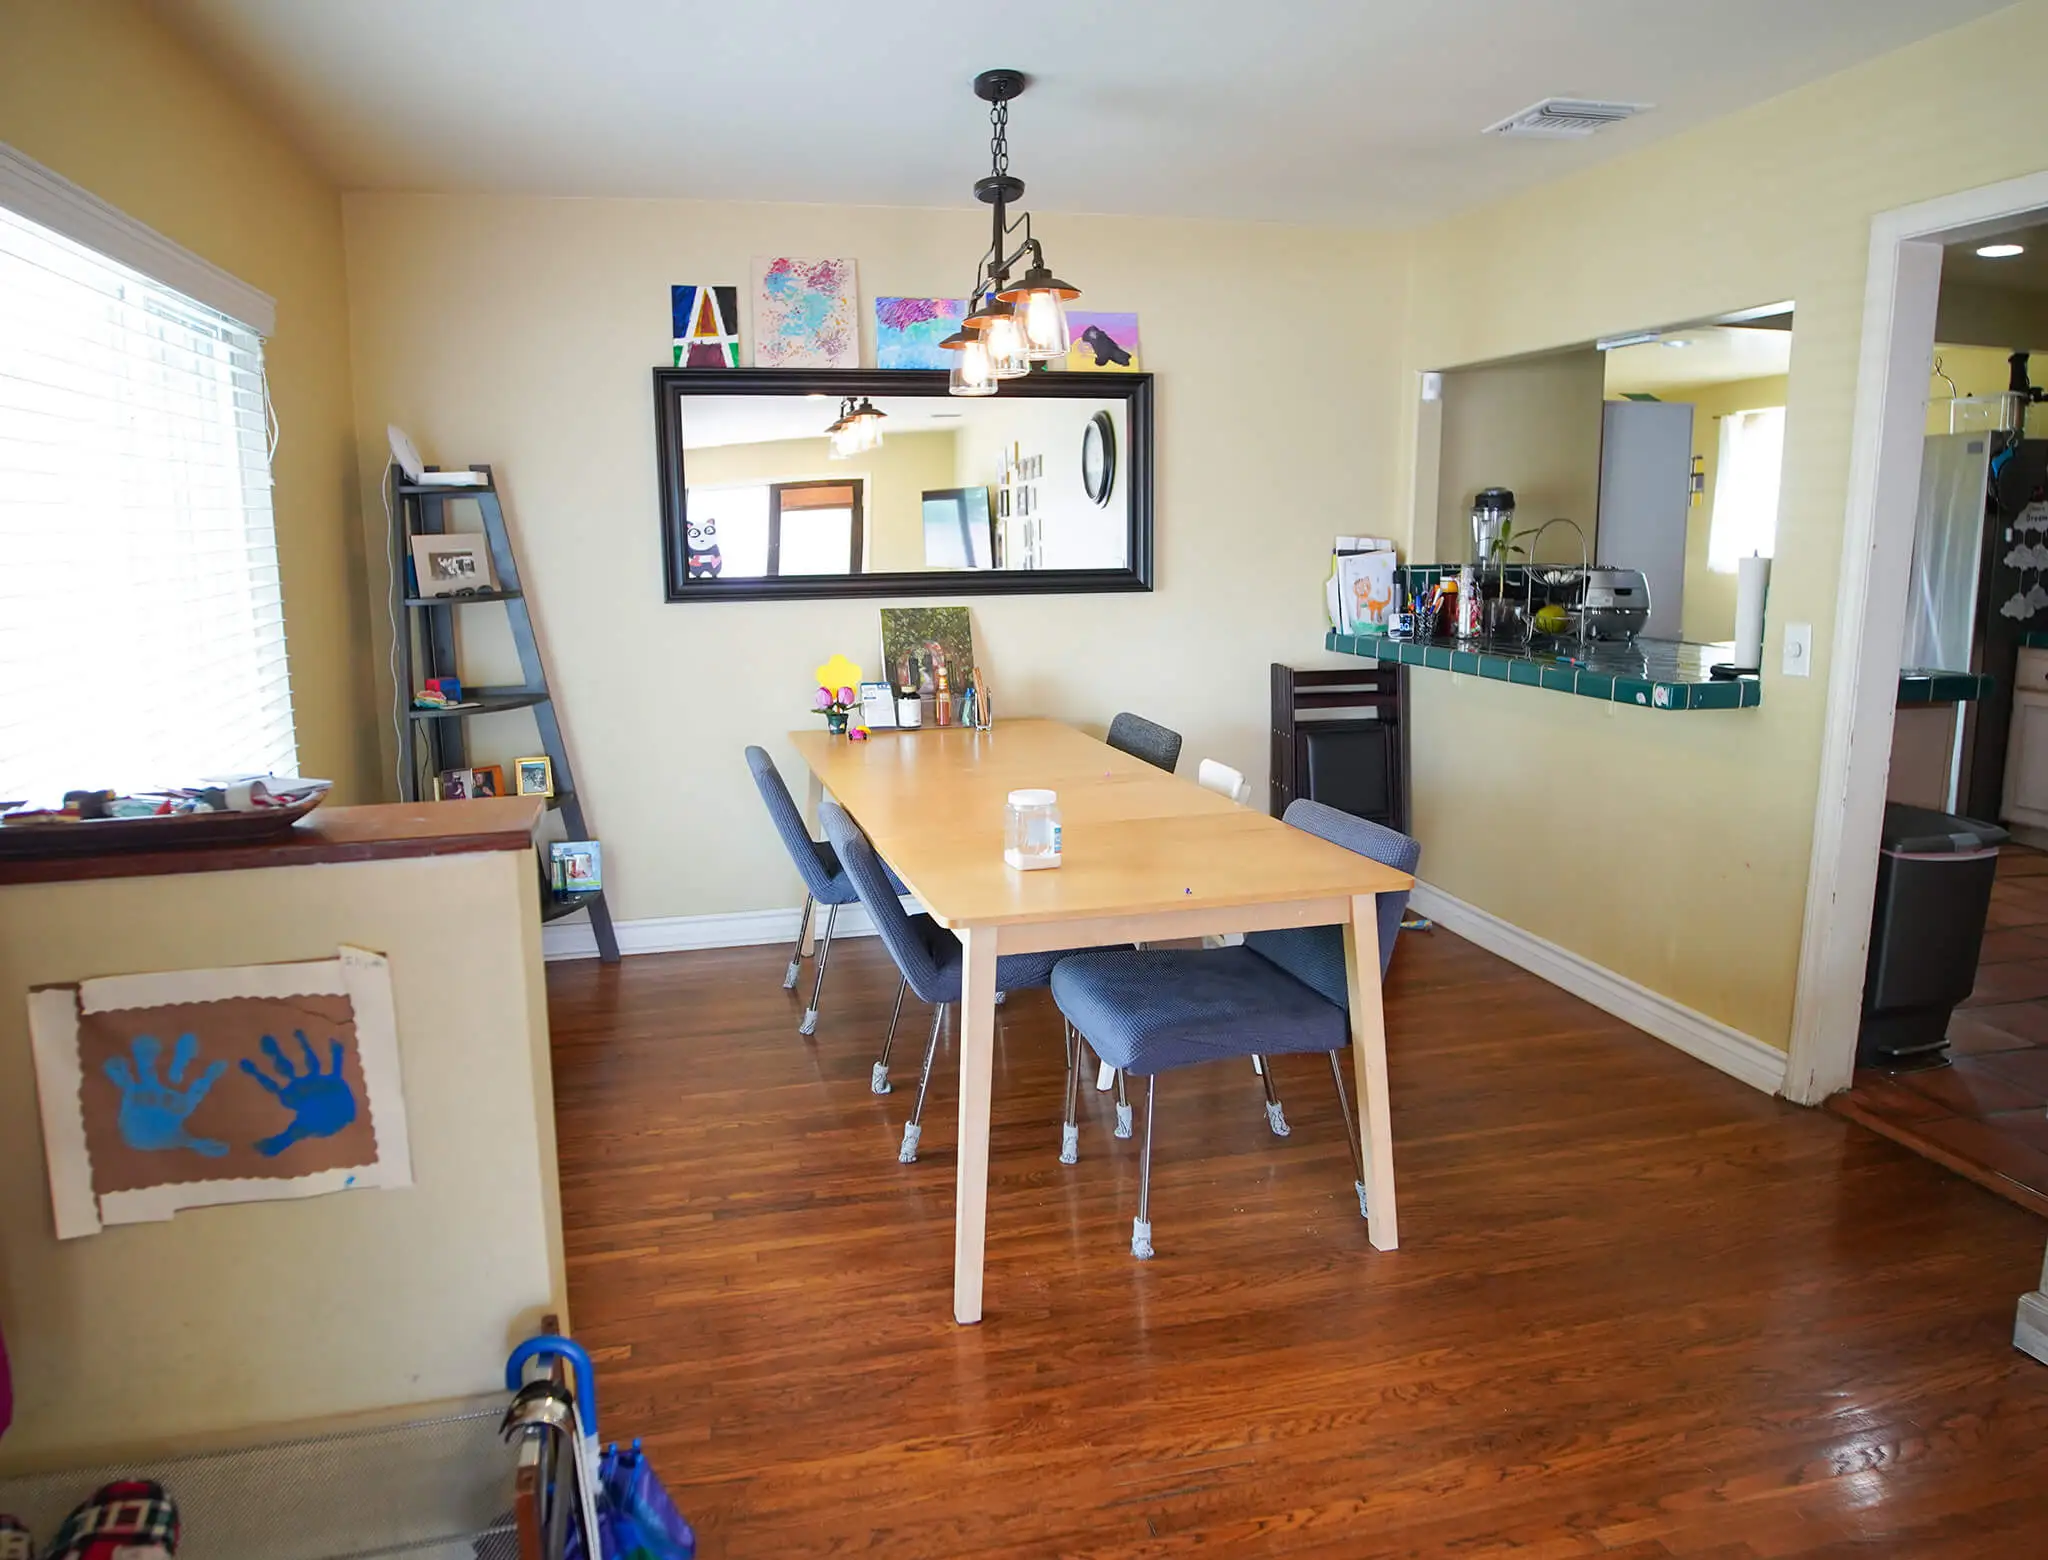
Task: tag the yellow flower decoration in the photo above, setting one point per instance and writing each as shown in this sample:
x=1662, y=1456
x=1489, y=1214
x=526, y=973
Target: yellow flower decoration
x=839, y=673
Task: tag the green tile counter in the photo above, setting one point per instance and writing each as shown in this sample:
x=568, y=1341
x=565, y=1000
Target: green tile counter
x=1926, y=685
x=1658, y=674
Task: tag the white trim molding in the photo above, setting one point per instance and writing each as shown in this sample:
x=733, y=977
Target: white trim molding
x=1709, y=1040
x=573, y=939
x=46, y=196
x=1904, y=284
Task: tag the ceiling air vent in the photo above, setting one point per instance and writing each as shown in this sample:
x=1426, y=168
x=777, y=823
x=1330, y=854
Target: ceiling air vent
x=1565, y=118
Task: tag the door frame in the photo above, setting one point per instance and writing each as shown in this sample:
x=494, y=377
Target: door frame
x=1899, y=304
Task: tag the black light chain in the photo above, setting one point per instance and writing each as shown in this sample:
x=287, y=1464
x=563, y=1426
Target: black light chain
x=999, y=137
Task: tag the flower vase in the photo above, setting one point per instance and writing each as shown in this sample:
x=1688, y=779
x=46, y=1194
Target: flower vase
x=835, y=722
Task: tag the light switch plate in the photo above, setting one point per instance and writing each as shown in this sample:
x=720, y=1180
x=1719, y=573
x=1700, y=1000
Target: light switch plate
x=1798, y=649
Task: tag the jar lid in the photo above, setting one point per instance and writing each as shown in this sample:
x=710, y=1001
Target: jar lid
x=1495, y=498
x=1034, y=798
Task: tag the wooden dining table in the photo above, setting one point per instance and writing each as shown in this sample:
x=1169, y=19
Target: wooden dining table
x=1146, y=857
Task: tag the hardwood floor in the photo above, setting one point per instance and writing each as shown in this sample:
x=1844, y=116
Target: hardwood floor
x=1639, y=1309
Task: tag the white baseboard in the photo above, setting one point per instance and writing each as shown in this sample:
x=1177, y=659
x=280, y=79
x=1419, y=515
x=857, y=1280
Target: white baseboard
x=1711, y=1041
x=2030, y=1326
x=573, y=939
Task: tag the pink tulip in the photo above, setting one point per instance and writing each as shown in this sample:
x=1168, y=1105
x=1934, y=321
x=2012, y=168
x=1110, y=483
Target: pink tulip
x=824, y=699
x=845, y=695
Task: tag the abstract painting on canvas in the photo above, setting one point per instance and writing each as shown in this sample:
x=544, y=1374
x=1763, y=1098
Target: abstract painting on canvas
x=908, y=331
x=805, y=314
x=1103, y=343
x=706, y=321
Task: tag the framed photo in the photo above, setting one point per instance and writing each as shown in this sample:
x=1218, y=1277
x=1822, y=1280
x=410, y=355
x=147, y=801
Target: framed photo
x=454, y=785
x=534, y=776
x=578, y=866
x=487, y=780
x=449, y=565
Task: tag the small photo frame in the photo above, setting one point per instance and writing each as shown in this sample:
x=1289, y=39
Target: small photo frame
x=534, y=776
x=453, y=785
x=449, y=565
x=487, y=780
x=577, y=866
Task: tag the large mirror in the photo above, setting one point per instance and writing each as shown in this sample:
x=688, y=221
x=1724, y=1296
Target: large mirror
x=1045, y=486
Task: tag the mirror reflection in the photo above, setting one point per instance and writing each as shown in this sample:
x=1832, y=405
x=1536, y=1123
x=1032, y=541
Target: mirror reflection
x=906, y=484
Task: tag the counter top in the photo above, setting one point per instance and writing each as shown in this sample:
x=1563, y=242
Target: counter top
x=1930, y=685
x=386, y=832
x=1658, y=674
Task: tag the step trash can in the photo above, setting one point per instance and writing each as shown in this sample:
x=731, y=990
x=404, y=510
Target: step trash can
x=1934, y=876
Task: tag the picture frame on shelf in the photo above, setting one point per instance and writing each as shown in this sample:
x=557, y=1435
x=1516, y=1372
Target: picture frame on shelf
x=576, y=867
x=487, y=780
x=452, y=785
x=534, y=776
x=448, y=564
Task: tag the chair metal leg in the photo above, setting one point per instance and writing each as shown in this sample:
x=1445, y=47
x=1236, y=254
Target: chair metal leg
x=878, y=1080
x=1276, y=1118
x=1350, y=1128
x=1141, y=1226
x=1070, y=1131
x=913, y=1129
x=810, y=1023
x=1105, y=1078
x=1123, y=1107
x=796, y=954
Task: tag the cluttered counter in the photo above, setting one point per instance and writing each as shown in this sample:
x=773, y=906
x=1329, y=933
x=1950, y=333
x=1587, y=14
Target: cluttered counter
x=1656, y=674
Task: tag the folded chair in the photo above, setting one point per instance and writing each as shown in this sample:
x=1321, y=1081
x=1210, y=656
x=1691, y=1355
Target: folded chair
x=1147, y=1011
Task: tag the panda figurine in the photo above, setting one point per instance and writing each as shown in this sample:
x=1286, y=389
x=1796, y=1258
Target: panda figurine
x=704, y=562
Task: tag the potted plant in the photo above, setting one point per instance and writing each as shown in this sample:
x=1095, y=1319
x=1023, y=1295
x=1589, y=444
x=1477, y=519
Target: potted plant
x=837, y=680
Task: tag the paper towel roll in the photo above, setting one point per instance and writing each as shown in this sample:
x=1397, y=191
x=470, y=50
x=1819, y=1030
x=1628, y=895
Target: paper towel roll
x=1752, y=581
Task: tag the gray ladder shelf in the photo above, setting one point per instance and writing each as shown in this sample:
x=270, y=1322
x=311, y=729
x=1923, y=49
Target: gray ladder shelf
x=427, y=649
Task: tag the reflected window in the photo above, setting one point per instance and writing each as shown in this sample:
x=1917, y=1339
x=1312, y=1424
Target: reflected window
x=1745, y=520
x=771, y=530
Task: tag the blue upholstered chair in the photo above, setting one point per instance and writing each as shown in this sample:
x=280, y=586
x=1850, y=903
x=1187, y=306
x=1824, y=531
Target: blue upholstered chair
x=1141, y=738
x=928, y=956
x=1146, y=1011
x=824, y=881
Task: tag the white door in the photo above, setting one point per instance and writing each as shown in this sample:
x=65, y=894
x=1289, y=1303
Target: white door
x=1646, y=499
x=2026, y=760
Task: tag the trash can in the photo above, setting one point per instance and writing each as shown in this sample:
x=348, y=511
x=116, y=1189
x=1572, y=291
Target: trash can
x=1934, y=875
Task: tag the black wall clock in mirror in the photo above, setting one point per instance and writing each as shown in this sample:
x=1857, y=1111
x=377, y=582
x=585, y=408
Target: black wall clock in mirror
x=1098, y=458
x=794, y=483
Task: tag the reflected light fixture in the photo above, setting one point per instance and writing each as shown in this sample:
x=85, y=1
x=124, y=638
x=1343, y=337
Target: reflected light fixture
x=2000, y=251
x=1019, y=317
x=858, y=428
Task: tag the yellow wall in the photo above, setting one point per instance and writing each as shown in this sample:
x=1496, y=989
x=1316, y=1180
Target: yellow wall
x=895, y=478
x=1976, y=371
x=1703, y=821
x=1710, y=597
x=285, y=1312
x=98, y=91
x=1264, y=454
x=1533, y=427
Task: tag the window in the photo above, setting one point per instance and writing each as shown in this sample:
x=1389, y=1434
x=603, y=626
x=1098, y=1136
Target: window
x=141, y=623
x=1746, y=469
x=766, y=530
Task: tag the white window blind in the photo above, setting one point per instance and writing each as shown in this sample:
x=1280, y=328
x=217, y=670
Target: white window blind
x=1746, y=467
x=141, y=623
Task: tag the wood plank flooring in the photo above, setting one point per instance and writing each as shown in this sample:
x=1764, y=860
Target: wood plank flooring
x=1638, y=1310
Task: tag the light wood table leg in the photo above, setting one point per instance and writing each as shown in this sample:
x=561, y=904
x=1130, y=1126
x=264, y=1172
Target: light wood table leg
x=1369, y=1058
x=977, y=1073
x=808, y=947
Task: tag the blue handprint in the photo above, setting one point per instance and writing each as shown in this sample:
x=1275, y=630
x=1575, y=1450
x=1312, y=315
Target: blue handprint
x=152, y=1113
x=320, y=1102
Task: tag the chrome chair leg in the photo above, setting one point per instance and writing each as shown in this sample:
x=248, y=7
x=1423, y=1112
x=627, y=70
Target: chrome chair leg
x=1276, y=1118
x=1141, y=1226
x=1123, y=1107
x=913, y=1129
x=1070, y=1131
x=878, y=1080
x=1350, y=1128
x=810, y=1023
x=796, y=954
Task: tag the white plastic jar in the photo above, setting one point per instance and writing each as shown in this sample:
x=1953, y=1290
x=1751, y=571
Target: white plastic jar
x=1031, y=830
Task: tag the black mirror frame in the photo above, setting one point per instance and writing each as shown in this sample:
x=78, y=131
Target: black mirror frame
x=671, y=385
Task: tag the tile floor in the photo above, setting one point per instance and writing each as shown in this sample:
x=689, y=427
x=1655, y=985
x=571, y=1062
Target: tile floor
x=1985, y=1115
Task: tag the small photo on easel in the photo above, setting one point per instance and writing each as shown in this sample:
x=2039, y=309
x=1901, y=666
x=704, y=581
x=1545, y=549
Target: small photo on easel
x=536, y=776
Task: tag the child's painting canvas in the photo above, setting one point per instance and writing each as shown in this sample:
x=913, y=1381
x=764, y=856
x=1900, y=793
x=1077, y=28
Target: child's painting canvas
x=180, y=1090
x=908, y=331
x=1103, y=342
x=706, y=321
x=805, y=314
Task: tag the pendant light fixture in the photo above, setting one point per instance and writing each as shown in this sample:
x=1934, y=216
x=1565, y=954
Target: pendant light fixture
x=858, y=428
x=1019, y=318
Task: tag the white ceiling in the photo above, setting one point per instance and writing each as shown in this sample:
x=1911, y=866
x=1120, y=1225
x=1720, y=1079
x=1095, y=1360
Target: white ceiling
x=1363, y=112
x=2024, y=272
x=1712, y=355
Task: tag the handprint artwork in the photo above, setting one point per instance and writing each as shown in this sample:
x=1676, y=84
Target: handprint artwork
x=320, y=1102
x=152, y=1114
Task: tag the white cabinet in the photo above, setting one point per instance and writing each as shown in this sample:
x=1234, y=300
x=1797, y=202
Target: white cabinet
x=2026, y=748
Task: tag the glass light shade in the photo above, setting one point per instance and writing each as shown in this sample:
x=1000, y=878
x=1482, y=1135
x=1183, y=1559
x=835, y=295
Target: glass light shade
x=973, y=372
x=864, y=433
x=1044, y=321
x=1005, y=338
